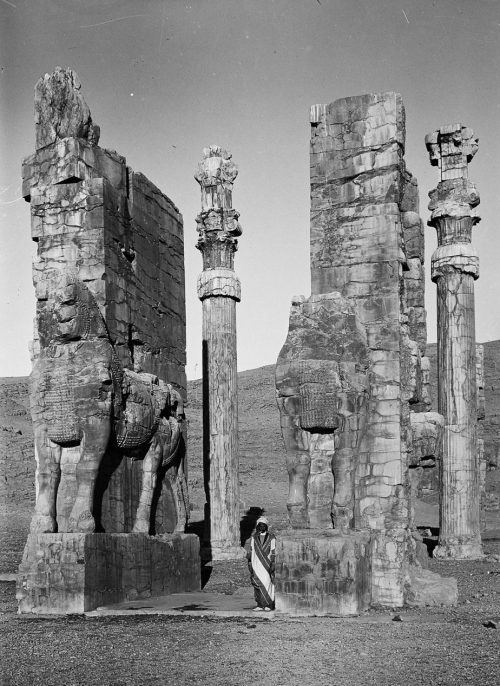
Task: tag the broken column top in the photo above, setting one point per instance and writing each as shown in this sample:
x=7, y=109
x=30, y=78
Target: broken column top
x=61, y=111
x=216, y=174
x=451, y=148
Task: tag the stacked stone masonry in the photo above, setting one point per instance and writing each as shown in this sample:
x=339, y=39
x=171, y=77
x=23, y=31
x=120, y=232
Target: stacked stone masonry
x=108, y=381
x=352, y=373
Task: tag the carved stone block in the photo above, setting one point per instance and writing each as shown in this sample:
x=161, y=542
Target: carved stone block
x=326, y=574
x=75, y=573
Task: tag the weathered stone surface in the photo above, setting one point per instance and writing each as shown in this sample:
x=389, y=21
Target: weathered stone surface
x=61, y=111
x=339, y=574
x=85, y=404
x=326, y=574
x=352, y=371
x=219, y=290
x=455, y=266
x=110, y=330
x=109, y=345
x=322, y=383
x=74, y=572
x=427, y=437
x=426, y=588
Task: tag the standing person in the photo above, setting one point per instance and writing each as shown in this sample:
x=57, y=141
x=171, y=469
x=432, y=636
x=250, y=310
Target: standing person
x=261, y=560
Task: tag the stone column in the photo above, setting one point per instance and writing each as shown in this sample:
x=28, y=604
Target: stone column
x=455, y=266
x=219, y=291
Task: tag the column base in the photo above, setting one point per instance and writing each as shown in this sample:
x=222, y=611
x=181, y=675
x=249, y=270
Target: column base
x=458, y=549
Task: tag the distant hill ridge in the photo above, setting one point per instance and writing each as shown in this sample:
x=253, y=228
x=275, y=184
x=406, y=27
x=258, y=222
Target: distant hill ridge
x=262, y=453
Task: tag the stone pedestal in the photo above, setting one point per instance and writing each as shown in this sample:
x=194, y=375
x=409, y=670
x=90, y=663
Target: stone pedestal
x=219, y=291
x=331, y=573
x=322, y=573
x=74, y=573
x=455, y=267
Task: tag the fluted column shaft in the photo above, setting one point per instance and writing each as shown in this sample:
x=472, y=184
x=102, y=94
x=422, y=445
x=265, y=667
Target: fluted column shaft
x=219, y=290
x=455, y=266
x=459, y=505
x=219, y=367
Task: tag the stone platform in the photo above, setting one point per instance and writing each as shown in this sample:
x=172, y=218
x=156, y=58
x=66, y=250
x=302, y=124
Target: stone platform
x=337, y=574
x=323, y=574
x=74, y=572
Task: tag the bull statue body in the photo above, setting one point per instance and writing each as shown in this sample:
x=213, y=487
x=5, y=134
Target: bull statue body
x=82, y=397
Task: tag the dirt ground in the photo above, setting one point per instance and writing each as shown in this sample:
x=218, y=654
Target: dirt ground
x=431, y=646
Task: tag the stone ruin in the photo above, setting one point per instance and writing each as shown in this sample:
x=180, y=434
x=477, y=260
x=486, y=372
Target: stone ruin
x=108, y=381
x=455, y=267
x=219, y=290
x=352, y=377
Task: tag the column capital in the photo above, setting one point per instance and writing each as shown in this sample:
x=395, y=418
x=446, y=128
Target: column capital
x=451, y=148
x=217, y=224
x=216, y=174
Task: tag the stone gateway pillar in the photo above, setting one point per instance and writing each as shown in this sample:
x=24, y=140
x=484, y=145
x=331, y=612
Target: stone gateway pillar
x=350, y=377
x=455, y=266
x=108, y=382
x=219, y=291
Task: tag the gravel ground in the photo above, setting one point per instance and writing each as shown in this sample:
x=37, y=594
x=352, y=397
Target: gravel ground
x=429, y=646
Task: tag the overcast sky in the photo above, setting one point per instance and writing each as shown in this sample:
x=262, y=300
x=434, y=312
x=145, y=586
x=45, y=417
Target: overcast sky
x=166, y=78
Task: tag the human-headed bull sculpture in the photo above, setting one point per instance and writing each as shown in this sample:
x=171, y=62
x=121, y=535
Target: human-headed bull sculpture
x=82, y=397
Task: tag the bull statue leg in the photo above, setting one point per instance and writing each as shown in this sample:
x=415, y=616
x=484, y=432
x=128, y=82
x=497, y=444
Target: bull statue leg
x=320, y=486
x=175, y=473
x=178, y=483
x=48, y=474
x=345, y=460
x=298, y=462
x=93, y=445
x=150, y=466
x=164, y=452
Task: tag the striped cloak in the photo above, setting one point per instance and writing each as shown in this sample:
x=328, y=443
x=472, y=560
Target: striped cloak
x=261, y=562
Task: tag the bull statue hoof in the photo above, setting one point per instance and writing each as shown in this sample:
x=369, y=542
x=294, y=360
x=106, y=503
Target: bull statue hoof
x=43, y=524
x=141, y=527
x=84, y=524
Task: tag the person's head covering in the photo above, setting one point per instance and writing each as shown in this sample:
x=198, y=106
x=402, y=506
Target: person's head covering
x=262, y=520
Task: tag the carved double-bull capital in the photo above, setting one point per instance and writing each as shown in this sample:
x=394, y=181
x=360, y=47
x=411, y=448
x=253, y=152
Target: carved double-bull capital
x=216, y=174
x=217, y=224
x=451, y=148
